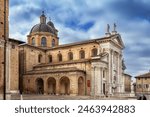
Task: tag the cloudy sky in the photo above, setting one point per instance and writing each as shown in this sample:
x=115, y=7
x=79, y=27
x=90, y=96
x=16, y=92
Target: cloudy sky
x=79, y=20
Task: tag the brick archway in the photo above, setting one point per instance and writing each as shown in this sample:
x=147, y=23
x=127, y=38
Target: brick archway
x=80, y=86
x=51, y=86
x=64, y=86
x=39, y=86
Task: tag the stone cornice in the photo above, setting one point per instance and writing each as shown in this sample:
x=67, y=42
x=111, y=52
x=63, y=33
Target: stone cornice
x=47, y=71
x=62, y=63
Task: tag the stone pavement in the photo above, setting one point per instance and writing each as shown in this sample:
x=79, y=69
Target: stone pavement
x=65, y=97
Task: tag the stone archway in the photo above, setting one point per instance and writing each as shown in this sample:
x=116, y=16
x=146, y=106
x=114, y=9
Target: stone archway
x=80, y=86
x=51, y=86
x=39, y=86
x=64, y=86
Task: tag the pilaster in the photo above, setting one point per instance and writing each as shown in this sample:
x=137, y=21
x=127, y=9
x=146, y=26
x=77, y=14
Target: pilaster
x=57, y=87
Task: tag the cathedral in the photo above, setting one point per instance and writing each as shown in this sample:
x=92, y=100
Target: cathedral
x=92, y=67
x=44, y=66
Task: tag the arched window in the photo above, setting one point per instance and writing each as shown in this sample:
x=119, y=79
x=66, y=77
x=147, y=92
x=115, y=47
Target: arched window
x=43, y=42
x=33, y=41
x=49, y=58
x=94, y=52
x=53, y=42
x=82, y=54
x=39, y=58
x=70, y=56
x=59, y=57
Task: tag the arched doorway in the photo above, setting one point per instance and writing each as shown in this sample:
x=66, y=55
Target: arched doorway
x=39, y=86
x=64, y=86
x=80, y=86
x=51, y=83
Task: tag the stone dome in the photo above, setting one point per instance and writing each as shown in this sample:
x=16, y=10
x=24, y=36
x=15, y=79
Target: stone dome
x=43, y=27
x=51, y=24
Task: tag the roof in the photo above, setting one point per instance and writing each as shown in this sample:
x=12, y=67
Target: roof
x=82, y=42
x=146, y=75
x=43, y=28
x=18, y=41
x=102, y=39
x=127, y=74
x=28, y=45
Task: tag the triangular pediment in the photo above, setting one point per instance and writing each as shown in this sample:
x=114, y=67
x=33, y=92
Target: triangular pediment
x=117, y=39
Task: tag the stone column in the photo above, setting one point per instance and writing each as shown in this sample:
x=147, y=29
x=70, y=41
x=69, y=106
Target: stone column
x=57, y=87
x=45, y=86
x=118, y=69
x=92, y=80
x=109, y=73
x=120, y=74
x=101, y=81
x=97, y=86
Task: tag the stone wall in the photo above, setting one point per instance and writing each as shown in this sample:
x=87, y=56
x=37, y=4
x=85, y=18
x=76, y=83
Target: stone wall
x=2, y=38
x=127, y=82
x=31, y=59
x=2, y=18
x=14, y=66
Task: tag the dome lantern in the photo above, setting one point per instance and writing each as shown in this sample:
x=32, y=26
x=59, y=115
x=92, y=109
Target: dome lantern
x=43, y=18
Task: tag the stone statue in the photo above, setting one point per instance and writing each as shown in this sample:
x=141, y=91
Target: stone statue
x=115, y=27
x=108, y=28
